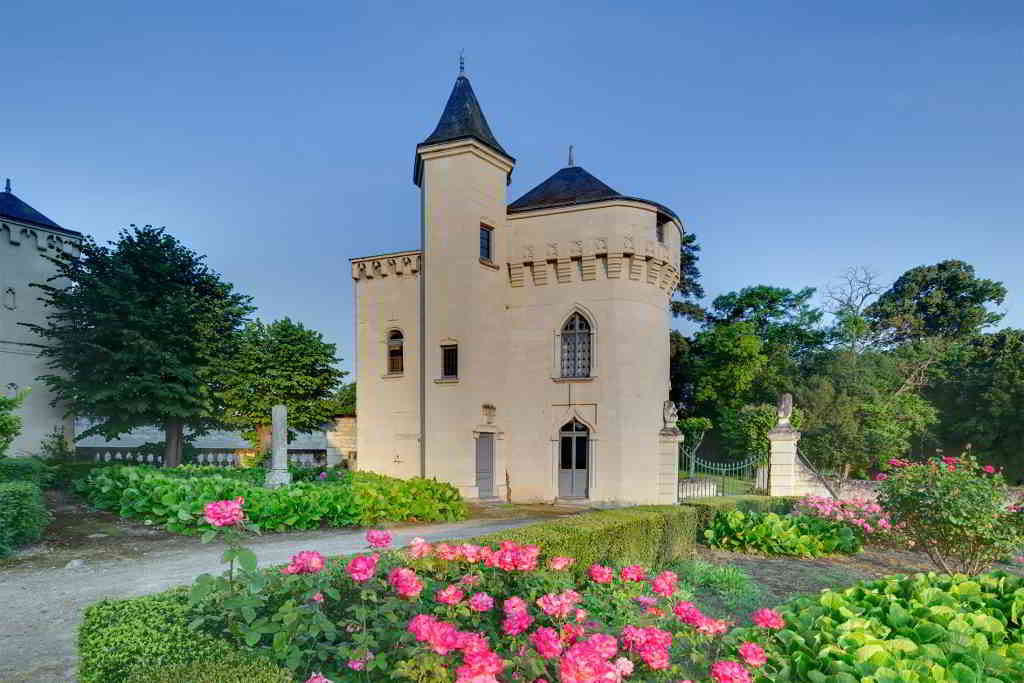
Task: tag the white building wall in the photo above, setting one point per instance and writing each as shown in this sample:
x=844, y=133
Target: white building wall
x=22, y=251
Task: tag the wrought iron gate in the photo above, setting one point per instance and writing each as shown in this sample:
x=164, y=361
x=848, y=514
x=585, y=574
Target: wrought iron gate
x=700, y=478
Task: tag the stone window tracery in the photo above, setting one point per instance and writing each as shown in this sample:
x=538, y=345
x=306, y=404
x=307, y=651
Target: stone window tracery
x=576, y=347
x=396, y=353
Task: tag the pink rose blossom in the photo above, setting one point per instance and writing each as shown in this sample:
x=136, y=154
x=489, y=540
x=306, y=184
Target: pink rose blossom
x=378, y=538
x=225, y=512
x=988, y=469
x=601, y=574
x=450, y=595
x=623, y=666
x=753, y=654
x=481, y=602
x=560, y=563
x=318, y=597
x=665, y=583
x=419, y=548
x=405, y=582
x=513, y=605
x=362, y=568
x=633, y=573
x=881, y=476
x=515, y=623
x=547, y=642
x=317, y=677
x=768, y=618
x=305, y=562
x=356, y=664
x=728, y=671
x=447, y=552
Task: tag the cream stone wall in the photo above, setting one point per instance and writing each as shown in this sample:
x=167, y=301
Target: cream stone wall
x=463, y=185
x=22, y=251
x=387, y=298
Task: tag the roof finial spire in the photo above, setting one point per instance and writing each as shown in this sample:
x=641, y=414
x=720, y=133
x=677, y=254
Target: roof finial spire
x=571, y=160
x=462, y=62
x=7, y=185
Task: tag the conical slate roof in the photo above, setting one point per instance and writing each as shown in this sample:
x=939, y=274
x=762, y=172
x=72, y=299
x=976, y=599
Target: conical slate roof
x=574, y=185
x=12, y=208
x=462, y=118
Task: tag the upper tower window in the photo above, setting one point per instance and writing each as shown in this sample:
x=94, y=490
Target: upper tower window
x=486, y=243
x=661, y=232
x=449, y=361
x=396, y=353
x=576, y=347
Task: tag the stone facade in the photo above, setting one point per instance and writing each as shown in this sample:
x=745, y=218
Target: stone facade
x=24, y=244
x=497, y=426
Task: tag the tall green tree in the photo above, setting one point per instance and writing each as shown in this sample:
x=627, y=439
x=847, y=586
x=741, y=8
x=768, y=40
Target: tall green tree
x=980, y=398
x=135, y=333
x=283, y=362
x=944, y=301
x=689, y=292
x=726, y=359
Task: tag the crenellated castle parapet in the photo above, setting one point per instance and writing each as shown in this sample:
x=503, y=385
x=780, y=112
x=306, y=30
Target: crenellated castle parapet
x=38, y=240
x=402, y=263
x=620, y=257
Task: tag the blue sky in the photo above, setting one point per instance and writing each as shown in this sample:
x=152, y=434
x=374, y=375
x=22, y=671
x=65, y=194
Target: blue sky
x=795, y=139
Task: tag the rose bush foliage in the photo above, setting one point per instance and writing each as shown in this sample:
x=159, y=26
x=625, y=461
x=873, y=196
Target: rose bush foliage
x=961, y=514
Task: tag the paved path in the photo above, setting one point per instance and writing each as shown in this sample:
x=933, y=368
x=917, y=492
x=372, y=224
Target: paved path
x=41, y=609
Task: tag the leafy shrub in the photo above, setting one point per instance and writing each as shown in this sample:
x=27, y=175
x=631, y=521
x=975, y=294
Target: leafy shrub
x=26, y=469
x=118, y=636
x=709, y=508
x=174, y=498
x=865, y=517
x=23, y=515
x=906, y=628
x=235, y=668
x=960, y=514
x=10, y=421
x=772, y=534
x=650, y=535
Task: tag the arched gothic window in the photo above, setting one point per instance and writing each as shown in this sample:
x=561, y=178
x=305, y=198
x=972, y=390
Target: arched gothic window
x=576, y=347
x=396, y=353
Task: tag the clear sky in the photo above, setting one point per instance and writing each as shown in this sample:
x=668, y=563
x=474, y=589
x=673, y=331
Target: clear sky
x=795, y=139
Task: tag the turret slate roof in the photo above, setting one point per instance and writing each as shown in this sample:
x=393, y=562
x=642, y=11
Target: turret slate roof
x=574, y=185
x=11, y=207
x=462, y=118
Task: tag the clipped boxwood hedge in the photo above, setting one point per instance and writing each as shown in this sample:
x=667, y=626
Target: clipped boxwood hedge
x=118, y=636
x=235, y=668
x=23, y=515
x=25, y=469
x=708, y=508
x=651, y=535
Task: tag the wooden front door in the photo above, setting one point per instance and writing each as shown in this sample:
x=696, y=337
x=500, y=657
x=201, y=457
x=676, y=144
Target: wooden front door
x=485, y=464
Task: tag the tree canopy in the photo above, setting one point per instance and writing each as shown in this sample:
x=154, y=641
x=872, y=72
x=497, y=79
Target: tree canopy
x=135, y=334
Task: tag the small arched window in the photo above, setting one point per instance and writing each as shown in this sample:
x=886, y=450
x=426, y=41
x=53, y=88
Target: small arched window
x=396, y=353
x=10, y=299
x=576, y=343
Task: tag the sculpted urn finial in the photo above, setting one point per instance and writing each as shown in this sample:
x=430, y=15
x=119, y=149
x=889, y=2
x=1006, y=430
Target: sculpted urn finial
x=670, y=414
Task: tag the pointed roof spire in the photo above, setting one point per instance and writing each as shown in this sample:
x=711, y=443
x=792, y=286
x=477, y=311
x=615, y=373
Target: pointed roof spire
x=462, y=118
x=571, y=161
x=462, y=62
x=14, y=209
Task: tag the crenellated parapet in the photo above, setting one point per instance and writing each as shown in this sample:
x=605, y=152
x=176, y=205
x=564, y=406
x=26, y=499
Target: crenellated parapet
x=619, y=257
x=38, y=240
x=399, y=264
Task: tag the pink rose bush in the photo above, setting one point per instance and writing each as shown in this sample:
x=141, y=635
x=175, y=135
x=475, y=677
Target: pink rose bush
x=866, y=517
x=477, y=614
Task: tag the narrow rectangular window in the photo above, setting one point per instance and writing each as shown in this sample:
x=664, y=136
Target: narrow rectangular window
x=486, y=252
x=661, y=232
x=450, y=361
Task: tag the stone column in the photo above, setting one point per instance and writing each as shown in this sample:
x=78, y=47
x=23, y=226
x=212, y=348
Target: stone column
x=278, y=474
x=669, y=440
x=785, y=479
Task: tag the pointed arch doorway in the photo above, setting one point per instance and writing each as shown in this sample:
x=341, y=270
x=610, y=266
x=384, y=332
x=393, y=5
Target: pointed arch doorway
x=574, y=460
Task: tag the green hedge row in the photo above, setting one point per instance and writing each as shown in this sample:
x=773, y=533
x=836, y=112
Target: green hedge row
x=148, y=639
x=175, y=499
x=25, y=469
x=650, y=535
x=23, y=515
